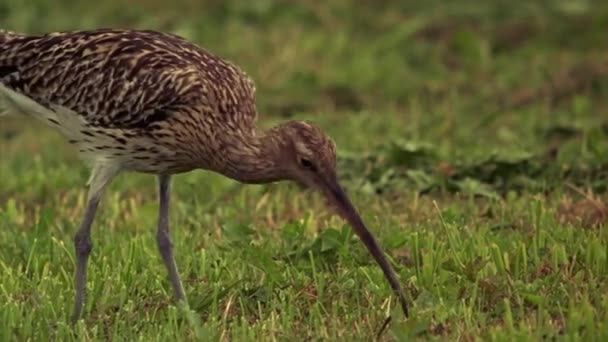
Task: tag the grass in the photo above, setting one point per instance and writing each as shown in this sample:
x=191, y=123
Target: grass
x=473, y=138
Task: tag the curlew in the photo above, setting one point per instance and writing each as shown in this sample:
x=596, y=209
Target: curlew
x=152, y=102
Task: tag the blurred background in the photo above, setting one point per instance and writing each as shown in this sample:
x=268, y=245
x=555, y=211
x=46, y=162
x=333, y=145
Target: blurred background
x=448, y=90
x=482, y=125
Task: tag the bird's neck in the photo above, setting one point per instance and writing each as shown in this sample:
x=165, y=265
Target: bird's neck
x=252, y=158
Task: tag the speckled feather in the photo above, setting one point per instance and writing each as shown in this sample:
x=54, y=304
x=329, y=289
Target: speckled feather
x=126, y=79
x=151, y=101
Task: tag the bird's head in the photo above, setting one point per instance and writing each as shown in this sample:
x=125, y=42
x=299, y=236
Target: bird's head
x=308, y=156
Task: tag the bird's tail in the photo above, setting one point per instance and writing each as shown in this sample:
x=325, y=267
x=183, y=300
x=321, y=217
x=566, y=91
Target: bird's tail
x=9, y=46
x=6, y=36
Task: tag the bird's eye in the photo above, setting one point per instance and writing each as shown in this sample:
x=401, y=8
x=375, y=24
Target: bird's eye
x=307, y=164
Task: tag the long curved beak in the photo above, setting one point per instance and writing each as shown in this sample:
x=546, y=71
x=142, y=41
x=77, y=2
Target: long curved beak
x=339, y=198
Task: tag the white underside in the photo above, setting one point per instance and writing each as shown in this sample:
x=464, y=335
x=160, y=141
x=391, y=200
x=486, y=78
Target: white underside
x=70, y=124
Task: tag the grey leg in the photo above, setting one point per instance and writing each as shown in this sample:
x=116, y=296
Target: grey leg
x=83, y=246
x=164, y=240
x=100, y=178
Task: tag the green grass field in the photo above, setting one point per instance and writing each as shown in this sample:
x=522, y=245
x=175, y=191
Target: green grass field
x=473, y=138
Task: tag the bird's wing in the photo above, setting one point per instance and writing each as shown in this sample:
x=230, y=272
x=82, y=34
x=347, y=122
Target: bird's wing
x=124, y=78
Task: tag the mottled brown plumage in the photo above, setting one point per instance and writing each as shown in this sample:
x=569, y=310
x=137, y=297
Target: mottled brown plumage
x=153, y=102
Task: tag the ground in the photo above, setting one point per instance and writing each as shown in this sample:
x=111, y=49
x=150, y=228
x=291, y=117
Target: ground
x=474, y=139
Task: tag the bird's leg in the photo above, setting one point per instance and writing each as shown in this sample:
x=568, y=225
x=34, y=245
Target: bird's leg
x=83, y=246
x=100, y=178
x=164, y=240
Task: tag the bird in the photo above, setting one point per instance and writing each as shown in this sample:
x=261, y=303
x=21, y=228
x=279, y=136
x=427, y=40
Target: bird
x=156, y=103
